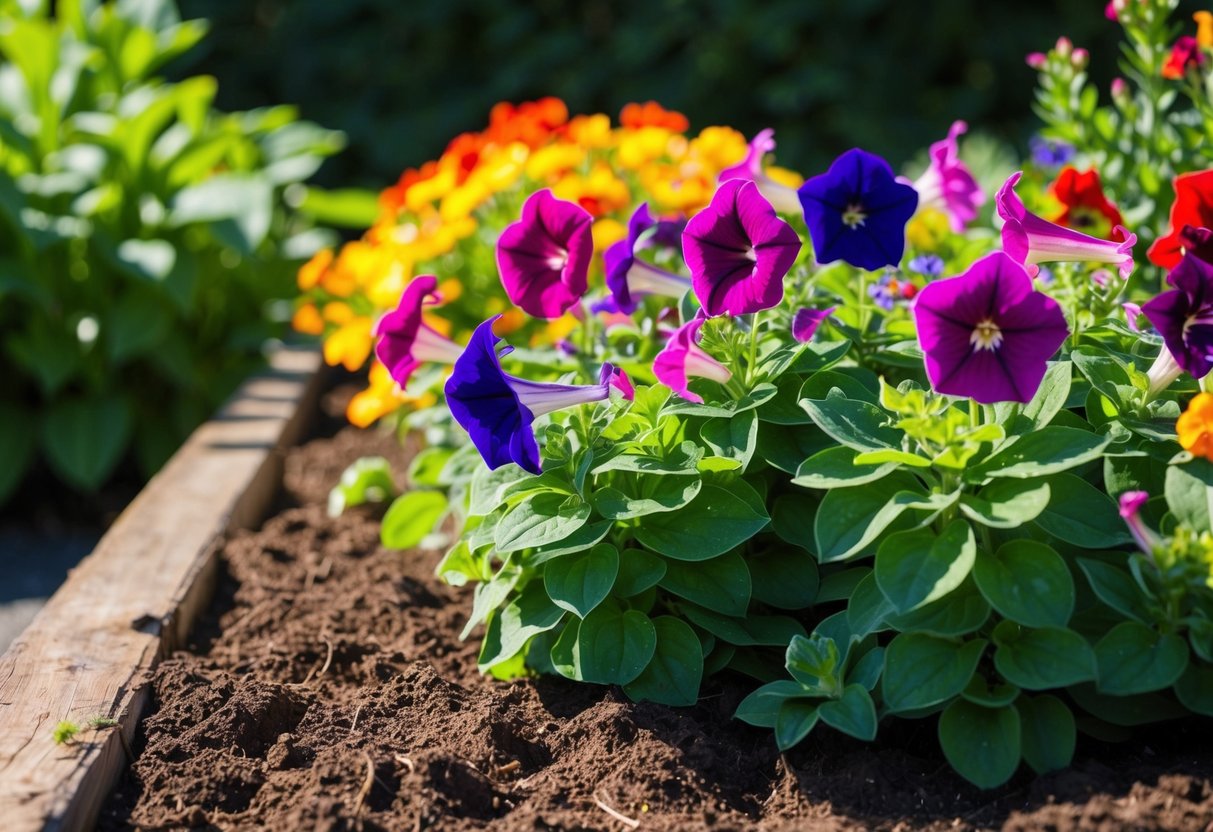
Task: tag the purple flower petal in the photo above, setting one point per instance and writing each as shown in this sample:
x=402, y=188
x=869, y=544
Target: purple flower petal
x=988, y=334
x=806, y=321
x=683, y=359
x=544, y=258
x=628, y=276
x=405, y=342
x=1184, y=315
x=738, y=251
x=948, y=184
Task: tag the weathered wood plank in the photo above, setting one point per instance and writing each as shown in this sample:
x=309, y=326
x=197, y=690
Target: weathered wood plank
x=88, y=652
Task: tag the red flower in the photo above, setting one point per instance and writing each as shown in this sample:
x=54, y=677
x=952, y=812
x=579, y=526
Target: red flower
x=1193, y=206
x=1185, y=54
x=652, y=114
x=1085, y=207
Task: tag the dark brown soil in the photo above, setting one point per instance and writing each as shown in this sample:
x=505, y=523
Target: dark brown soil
x=327, y=689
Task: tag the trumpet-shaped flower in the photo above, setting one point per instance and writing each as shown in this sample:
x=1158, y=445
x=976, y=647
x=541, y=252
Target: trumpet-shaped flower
x=683, y=359
x=497, y=409
x=806, y=321
x=1195, y=426
x=988, y=334
x=1130, y=511
x=948, y=184
x=1031, y=239
x=628, y=276
x=782, y=198
x=857, y=211
x=738, y=251
x=544, y=258
x=1184, y=315
x=405, y=341
x=1193, y=206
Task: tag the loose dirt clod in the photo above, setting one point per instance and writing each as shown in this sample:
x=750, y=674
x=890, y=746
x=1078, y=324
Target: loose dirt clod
x=396, y=730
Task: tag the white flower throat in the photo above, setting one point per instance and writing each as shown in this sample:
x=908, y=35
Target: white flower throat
x=986, y=336
x=854, y=216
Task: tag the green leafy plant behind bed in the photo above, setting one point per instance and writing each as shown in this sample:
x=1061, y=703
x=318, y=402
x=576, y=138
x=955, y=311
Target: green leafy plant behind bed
x=144, y=236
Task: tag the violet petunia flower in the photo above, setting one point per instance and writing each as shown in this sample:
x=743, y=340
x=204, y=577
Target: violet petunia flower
x=544, y=257
x=1031, y=239
x=1197, y=241
x=497, y=409
x=857, y=211
x=806, y=321
x=405, y=341
x=1051, y=153
x=947, y=183
x=782, y=198
x=683, y=359
x=1184, y=315
x=988, y=334
x=629, y=277
x=927, y=265
x=738, y=251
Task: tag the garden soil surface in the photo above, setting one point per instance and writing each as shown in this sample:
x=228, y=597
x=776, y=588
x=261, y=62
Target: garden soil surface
x=327, y=689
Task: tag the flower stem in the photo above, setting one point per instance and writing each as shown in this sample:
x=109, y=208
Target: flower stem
x=974, y=414
x=752, y=363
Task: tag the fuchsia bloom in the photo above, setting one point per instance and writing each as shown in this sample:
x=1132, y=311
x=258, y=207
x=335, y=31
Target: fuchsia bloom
x=1184, y=315
x=544, y=258
x=1130, y=510
x=628, y=276
x=405, y=341
x=497, y=409
x=947, y=183
x=806, y=321
x=987, y=334
x=782, y=198
x=1031, y=239
x=683, y=359
x=738, y=251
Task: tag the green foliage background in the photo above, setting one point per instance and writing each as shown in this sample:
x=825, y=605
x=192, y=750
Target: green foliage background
x=403, y=78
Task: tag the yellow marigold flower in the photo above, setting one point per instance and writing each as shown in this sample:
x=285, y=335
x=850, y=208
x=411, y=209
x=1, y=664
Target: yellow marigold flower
x=719, y=147
x=337, y=312
x=385, y=292
x=350, y=346
x=674, y=189
x=462, y=201
x=600, y=193
x=428, y=191
x=606, y=232
x=638, y=148
x=592, y=132
x=1195, y=426
x=556, y=330
x=311, y=271
x=927, y=229
x=307, y=320
x=553, y=161
x=381, y=397
x=502, y=167
x=1204, y=29
x=784, y=176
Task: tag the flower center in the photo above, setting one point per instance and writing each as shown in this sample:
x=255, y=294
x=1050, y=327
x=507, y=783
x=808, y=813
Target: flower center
x=558, y=261
x=854, y=216
x=751, y=254
x=986, y=336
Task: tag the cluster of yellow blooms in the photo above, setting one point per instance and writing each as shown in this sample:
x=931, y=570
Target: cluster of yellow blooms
x=444, y=217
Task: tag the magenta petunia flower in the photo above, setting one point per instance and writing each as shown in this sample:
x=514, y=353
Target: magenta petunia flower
x=1184, y=315
x=738, y=251
x=988, y=334
x=806, y=321
x=1130, y=511
x=405, y=342
x=782, y=198
x=947, y=183
x=629, y=277
x=544, y=258
x=683, y=359
x=1031, y=239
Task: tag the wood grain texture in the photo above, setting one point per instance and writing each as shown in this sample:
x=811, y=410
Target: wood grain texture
x=88, y=652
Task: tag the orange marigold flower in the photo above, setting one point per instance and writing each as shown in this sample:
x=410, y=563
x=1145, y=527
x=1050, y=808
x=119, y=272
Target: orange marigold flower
x=591, y=132
x=1204, y=29
x=307, y=319
x=311, y=271
x=652, y=114
x=600, y=193
x=1195, y=426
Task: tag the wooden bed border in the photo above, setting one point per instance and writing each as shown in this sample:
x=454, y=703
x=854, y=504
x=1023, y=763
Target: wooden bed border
x=89, y=652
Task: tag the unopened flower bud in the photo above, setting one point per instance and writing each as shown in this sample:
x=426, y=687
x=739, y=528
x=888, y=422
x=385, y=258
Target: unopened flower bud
x=1120, y=90
x=1080, y=58
x=1036, y=60
x=1064, y=47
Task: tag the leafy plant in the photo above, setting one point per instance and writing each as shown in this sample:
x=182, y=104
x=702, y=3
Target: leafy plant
x=146, y=242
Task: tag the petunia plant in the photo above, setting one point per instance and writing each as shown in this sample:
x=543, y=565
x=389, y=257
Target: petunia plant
x=875, y=452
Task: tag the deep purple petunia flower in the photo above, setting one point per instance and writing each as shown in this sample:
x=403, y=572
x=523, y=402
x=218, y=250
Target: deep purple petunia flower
x=628, y=276
x=947, y=183
x=544, y=258
x=806, y=321
x=1031, y=239
x=782, y=198
x=738, y=251
x=988, y=334
x=857, y=211
x=1197, y=242
x=497, y=409
x=1184, y=315
x=683, y=359
x=405, y=342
